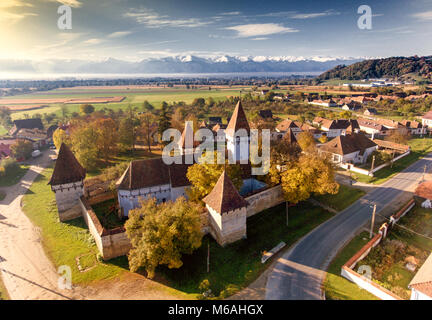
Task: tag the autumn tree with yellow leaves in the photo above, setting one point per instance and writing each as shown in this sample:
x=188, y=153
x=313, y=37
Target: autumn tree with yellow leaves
x=161, y=233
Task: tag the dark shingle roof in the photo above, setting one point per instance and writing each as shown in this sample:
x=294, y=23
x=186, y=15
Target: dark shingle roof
x=35, y=123
x=153, y=172
x=224, y=197
x=67, y=168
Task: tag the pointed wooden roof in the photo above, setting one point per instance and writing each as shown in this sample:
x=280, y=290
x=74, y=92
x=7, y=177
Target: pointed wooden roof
x=224, y=197
x=67, y=168
x=238, y=120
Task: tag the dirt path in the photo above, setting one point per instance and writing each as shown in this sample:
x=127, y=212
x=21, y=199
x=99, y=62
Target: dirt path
x=28, y=274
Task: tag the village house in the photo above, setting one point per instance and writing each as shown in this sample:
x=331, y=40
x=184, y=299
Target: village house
x=414, y=127
x=31, y=124
x=370, y=112
x=351, y=106
x=5, y=147
x=351, y=148
x=427, y=119
x=38, y=137
x=335, y=128
x=372, y=128
x=323, y=103
x=421, y=284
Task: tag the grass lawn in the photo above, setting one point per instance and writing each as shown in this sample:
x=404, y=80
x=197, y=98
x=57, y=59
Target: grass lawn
x=63, y=242
x=12, y=177
x=388, y=258
x=237, y=265
x=3, y=130
x=419, y=148
x=3, y=292
x=107, y=215
x=343, y=199
x=2, y=195
x=337, y=287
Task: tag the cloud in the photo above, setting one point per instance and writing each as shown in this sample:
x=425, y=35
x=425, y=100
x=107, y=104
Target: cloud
x=14, y=17
x=326, y=13
x=70, y=3
x=260, y=39
x=231, y=13
x=427, y=15
x=93, y=41
x=152, y=19
x=119, y=34
x=262, y=29
x=14, y=3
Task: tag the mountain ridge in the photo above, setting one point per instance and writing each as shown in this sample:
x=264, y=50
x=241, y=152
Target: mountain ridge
x=178, y=64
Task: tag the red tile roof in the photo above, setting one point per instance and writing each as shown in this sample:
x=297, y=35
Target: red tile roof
x=347, y=144
x=424, y=190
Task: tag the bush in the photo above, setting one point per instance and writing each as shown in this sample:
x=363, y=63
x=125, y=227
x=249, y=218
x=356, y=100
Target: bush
x=8, y=165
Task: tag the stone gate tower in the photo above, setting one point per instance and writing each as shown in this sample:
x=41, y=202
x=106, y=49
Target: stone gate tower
x=67, y=181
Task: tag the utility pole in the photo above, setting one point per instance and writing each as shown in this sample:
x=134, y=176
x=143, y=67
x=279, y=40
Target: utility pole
x=372, y=222
x=286, y=209
x=208, y=256
x=424, y=172
x=373, y=163
x=392, y=160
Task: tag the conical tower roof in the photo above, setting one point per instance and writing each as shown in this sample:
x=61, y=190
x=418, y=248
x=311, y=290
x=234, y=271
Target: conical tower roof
x=238, y=120
x=67, y=168
x=224, y=197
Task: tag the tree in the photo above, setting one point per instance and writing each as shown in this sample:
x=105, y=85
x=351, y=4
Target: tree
x=147, y=107
x=147, y=128
x=311, y=174
x=323, y=139
x=86, y=109
x=84, y=145
x=164, y=121
x=60, y=136
x=107, y=137
x=161, y=233
x=397, y=136
x=22, y=149
x=203, y=176
x=126, y=133
x=5, y=117
x=306, y=141
x=64, y=111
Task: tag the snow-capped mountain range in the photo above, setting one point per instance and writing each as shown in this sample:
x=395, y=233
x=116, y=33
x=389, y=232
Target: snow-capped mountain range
x=179, y=64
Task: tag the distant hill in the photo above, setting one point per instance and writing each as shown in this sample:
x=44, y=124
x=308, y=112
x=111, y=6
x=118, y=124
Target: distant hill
x=377, y=68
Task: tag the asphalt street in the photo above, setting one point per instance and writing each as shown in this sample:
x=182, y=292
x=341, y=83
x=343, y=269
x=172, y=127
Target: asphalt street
x=299, y=273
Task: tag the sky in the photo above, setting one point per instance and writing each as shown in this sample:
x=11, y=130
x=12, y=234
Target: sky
x=134, y=30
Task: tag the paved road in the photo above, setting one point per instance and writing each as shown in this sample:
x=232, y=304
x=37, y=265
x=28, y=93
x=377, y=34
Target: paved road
x=299, y=273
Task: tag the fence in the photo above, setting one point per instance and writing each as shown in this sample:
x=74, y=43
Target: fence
x=363, y=282
x=351, y=167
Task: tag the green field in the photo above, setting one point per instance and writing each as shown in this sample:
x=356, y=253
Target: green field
x=12, y=177
x=155, y=96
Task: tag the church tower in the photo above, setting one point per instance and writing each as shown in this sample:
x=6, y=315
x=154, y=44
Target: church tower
x=238, y=140
x=67, y=182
